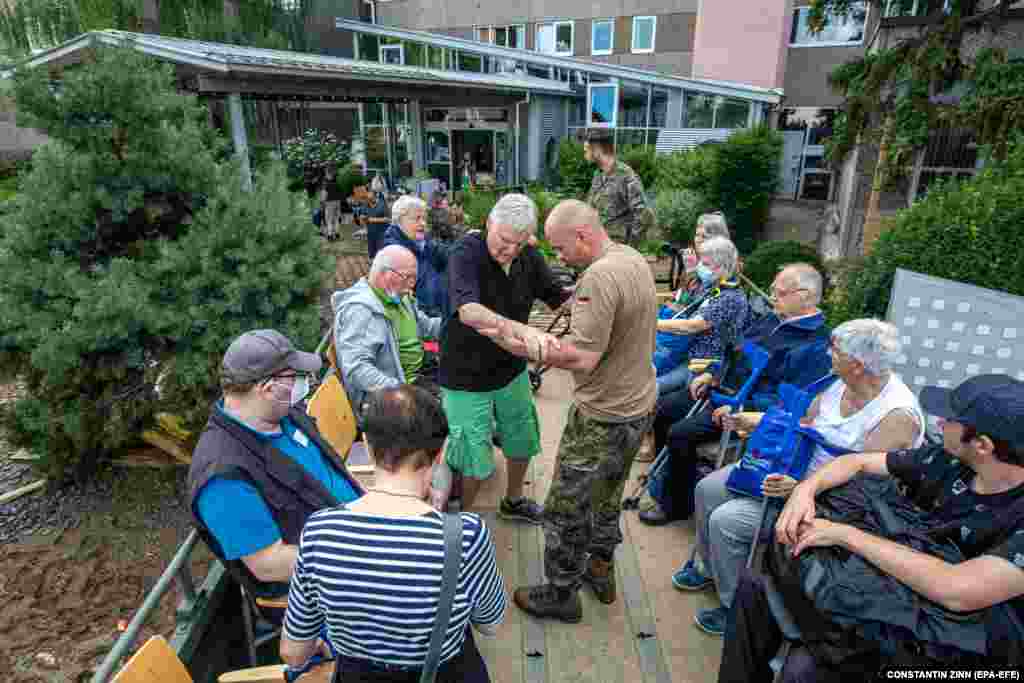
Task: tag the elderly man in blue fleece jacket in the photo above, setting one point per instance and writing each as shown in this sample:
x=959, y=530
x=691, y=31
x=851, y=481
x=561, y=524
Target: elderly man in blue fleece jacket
x=797, y=339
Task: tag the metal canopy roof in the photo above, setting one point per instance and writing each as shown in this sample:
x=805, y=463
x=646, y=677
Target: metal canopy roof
x=227, y=61
x=714, y=87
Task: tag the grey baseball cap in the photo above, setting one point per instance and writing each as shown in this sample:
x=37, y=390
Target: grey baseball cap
x=259, y=354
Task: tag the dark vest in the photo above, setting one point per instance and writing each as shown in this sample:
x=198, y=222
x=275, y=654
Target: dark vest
x=228, y=450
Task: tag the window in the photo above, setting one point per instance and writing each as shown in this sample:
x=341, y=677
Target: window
x=604, y=100
x=555, y=38
x=392, y=54
x=643, y=34
x=602, y=37
x=838, y=29
x=715, y=111
x=435, y=57
x=468, y=61
x=915, y=8
x=513, y=35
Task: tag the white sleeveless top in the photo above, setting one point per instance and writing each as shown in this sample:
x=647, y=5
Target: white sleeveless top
x=851, y=432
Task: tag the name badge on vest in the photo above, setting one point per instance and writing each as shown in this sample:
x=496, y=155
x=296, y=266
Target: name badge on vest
x=301, y=438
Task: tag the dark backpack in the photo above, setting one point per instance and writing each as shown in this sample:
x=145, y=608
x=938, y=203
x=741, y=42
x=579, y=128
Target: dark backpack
x=854, y=616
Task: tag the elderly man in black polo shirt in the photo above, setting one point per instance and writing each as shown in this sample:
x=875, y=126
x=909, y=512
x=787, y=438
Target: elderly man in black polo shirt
x=484, y=387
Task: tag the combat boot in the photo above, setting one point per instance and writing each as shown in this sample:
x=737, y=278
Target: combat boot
x=601, y=577
x=548, y=600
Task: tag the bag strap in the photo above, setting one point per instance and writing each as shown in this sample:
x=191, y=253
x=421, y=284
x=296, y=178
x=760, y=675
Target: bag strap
x=815, y=436
x=449, y=579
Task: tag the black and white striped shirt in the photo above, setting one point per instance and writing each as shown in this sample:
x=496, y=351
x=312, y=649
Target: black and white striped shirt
x=375, y=583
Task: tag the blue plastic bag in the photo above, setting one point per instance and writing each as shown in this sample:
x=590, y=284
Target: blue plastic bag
x=769, y=453
x=670, y=349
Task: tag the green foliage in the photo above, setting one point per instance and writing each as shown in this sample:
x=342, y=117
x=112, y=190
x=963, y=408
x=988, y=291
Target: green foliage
x=677, y=212
x=967, y=232
x=132, y=254
x=688, y=170
x=309, y=155
x=37, y=24
x=737, y=177
x=764, y=263
x=350, y=180
x=477, y=205
x=575, y=172
x=643, y=161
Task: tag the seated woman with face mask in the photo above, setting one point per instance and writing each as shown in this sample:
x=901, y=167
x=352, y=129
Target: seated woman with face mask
x=721, y=305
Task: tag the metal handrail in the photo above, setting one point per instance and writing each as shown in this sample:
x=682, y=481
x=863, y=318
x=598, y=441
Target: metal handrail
x=177, y=569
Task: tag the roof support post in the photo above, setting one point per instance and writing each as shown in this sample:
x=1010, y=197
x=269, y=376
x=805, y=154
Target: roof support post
x=240, y=138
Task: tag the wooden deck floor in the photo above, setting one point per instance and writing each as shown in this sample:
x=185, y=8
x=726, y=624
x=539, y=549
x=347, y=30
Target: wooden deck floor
x=648, y=635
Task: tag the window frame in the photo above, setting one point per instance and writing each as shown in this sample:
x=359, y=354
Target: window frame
x=654, y=33
x=590, y=105
x=611, y=37
x=554, y=26
x=831, y=43
x=401, y=53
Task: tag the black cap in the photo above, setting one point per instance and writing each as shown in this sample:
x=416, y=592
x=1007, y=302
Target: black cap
x=992, y=404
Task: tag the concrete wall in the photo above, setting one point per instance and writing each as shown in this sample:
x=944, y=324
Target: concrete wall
x=747, y=45
x=674, y=37
x=807, y=68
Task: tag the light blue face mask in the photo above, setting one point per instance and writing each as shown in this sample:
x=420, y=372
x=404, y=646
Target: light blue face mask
x=706, y=275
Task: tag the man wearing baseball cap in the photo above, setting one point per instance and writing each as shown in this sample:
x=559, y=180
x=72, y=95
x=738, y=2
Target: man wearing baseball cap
x=261, y=467
x=973, y=482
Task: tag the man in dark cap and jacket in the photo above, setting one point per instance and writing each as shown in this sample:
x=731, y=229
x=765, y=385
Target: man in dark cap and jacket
x=261, y=467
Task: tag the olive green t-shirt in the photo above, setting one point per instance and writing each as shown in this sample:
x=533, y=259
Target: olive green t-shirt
x=615, y=312
x=410, y=349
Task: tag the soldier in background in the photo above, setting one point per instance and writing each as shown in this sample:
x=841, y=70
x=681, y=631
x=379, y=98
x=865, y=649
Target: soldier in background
x=616, y=191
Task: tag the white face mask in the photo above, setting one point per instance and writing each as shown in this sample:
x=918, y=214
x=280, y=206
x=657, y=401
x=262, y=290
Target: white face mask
x=300, y=388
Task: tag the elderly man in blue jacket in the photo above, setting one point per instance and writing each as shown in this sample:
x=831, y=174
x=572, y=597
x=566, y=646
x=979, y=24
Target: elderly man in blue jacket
x=797, y=339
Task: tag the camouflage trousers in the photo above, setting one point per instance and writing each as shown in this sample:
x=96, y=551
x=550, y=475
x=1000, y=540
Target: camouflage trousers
x=581, y=513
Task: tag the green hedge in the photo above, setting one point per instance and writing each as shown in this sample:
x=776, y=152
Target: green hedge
x=677, y=212
x=738, y=177
x=969, y=232
x=576, y=173
x=764, y=263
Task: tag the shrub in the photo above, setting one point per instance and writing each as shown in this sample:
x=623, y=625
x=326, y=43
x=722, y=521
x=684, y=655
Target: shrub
x=133, y=254
x=644, y=161
x=477, y=205
x=761, y=266
x=575, y=172
x=746, y=177
x=969, y=232
x=349, y=180
x=677, y=212
x=309, y=155
x=738, y=177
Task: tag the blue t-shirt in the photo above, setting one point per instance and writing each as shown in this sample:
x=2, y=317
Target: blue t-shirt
x=234, y=511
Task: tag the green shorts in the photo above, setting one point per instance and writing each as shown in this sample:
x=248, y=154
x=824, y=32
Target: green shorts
x=472, y=417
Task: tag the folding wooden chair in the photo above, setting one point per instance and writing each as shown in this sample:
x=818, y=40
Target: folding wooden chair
x=157, y=662
x=334, y=415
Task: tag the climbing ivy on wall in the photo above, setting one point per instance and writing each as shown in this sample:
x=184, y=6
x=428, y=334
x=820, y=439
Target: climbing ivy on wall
x=934, y=74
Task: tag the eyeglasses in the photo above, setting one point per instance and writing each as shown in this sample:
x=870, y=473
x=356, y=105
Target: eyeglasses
x=406, y=277
x=779, y=293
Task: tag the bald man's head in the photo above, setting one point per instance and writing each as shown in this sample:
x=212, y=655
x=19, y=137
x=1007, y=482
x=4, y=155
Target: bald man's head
x=575, y=232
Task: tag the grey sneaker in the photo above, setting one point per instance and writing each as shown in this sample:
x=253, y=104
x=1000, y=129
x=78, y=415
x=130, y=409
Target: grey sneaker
x=523, y=510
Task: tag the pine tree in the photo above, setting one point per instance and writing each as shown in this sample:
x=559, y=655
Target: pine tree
x=132, y=254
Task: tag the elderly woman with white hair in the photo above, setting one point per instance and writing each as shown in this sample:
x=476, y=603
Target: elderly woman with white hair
x=723, y=306
x=708, y=225
x=494, y=278
x=869, y=408
x=409, y=229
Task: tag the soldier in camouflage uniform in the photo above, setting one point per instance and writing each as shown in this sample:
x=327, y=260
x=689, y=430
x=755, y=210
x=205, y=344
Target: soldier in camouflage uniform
x=608, y=350
x=616, y=191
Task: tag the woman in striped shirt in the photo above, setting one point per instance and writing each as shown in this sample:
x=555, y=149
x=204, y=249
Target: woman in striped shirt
x=369, y=573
